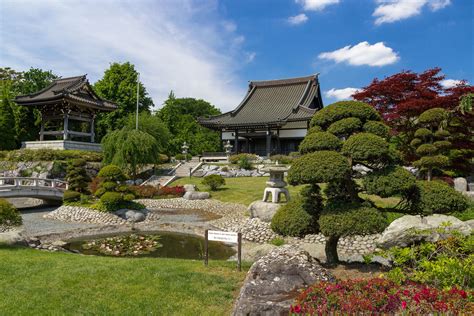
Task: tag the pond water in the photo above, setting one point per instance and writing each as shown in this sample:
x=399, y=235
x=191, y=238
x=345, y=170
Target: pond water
x=170, y=245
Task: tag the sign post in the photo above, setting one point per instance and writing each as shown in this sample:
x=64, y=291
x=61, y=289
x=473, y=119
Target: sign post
x=228, y=237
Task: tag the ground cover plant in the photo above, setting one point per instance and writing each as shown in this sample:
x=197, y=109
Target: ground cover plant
x=49, y=155
x=113, y=286
x=381, y=296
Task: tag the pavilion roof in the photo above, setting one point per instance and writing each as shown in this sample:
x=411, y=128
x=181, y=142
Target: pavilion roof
x=272, y=103
x=75, y=90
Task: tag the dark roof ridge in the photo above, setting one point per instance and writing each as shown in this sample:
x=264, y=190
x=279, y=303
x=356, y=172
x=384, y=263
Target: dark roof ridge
x=285, y=81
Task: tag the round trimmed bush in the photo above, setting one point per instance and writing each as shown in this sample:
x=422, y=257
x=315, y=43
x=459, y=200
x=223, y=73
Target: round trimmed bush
x=111, y=201
x=71, y=196
x=9, y=216
x=365, y=147
x=343, y=109
x=213, y=181
x=437, y=197
x=422, y=133
x=345, y=127
x=426, y=149
x=292, y=220
x=340, y=219
x=415, y=142
x=319, y=141
x=377, y=128
x=437, y=161
x=433, y=116
x=319, y=167
x=128, y=197
x=314, y=129
x=389, y=182
x=112, y=173
x=442, y=144
x=441, y=133
x=108, y=185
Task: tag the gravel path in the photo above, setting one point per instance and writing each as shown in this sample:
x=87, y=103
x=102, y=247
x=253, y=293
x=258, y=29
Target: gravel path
x=35, y=224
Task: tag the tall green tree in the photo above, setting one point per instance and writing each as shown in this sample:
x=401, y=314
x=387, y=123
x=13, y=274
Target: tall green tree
x=180, y=116
x=152, y=125
x=119, y=85
x=7, y=118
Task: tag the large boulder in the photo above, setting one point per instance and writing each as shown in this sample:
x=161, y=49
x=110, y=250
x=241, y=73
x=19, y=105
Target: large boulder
x=263, y=210
x=189, y=188
x=409, y=229
x=460, y=184
x=196, y=195
x=12, y=236
x=273, y=282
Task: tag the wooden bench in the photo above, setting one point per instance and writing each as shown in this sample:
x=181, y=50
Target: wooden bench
x=213, y=156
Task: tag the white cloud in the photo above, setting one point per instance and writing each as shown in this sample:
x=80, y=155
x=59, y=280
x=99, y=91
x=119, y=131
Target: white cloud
x=316, y=5
x=389, y=11
x=178, y=45
x=297, y=19
x=341, y=94
x=449, y=83
x=363, y=54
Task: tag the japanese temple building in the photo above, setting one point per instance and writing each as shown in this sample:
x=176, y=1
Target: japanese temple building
x=273, y=117
x=68, y=110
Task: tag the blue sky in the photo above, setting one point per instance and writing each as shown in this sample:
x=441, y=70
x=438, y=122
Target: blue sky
x=209, y=49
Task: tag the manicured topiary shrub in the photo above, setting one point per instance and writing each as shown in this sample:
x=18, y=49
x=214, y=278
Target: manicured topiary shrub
x=293, y=220
x=112, y=173
x=71, y=196
x=433, y=116
x=319, y=141
x=365, y=147
x=318, y=167
x=345, y=127
x=111, y=201
x=422, y=133
x=426, y=149
x=438, y=197
x=9, y=216
x=389, y=182
x=76, y=176
x=213, y=181
x=377, y=128
x=344, y=109
x=234, y=159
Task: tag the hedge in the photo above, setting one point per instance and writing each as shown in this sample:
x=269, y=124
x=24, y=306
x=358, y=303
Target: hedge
x=49, y=155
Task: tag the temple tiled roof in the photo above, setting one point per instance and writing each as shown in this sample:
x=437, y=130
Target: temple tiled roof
x=272, y=103
x=73, y=89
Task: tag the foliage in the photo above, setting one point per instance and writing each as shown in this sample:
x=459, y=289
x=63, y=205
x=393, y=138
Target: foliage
x=319, y=141
x=119, y=85
x=180, y=117
x=344, y=219
x=366, y=148
x=345, y=127
x=71, y=196
x=292, y=219
x=125, y=246
x=149, y=191
x=152, y=125
x=344, y=109
x=51, y=155
x=130, y=149
x=181, y=157
x=58, y=169
x=277, y=241
x=389, y=182
x=282, y=159
x=445, y=263
x=111, y=173
x=9, y=216
x=177, y=191
x=234, y=159
x=465, y=104
x=76, y=176
x=244, y=163
x=377, y=128
x=438, y=197
x=7, y=118
x=380, y=296
x=213, y=181
x=318, y=167
x=111, y=201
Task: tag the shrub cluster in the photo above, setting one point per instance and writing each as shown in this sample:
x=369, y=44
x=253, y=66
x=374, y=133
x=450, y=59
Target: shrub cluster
x=438, y=197
x=149, y=191
x=293, y=220
x=389, y=182
x=181, y=157
x=234, y=159
x=9, y=216
x=282, y=159
x=319, y=141
x=76, y=175
x=71, y=196
x=50, y=155
x=381, y=296
x=213, y=181
x=344, y=109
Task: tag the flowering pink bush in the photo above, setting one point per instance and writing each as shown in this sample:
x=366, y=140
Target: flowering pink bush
x=380, y=295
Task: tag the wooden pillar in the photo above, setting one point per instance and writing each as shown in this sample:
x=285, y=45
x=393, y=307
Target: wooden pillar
x=269, y=142
x=278, y=142
x=92, y=129
x=42, y=129
x=66, y=127
x=221, y=146
x=247, y=149
x=236, y=141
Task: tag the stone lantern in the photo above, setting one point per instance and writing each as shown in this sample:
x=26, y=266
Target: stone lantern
x=228, y=149
x=276, y=184
x=185, y=148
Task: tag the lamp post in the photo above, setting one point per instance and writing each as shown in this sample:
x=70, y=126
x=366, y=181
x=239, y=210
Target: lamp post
x=185, y=148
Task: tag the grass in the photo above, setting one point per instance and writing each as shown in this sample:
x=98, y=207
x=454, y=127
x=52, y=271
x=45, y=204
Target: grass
x=242, y=190
x=34, y=282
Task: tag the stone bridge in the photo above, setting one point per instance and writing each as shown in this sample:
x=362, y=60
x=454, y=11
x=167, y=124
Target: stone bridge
x=50, y=190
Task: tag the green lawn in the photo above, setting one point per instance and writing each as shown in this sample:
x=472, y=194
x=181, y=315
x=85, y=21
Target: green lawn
x=33, y=282
x=243, y=190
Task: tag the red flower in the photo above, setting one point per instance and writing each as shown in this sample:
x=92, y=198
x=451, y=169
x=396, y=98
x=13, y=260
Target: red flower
x=296, y=309
x=404, y=305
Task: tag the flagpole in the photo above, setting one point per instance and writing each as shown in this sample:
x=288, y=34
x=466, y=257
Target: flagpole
x=138, y=87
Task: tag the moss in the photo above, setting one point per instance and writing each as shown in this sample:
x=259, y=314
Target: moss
x=319, y=141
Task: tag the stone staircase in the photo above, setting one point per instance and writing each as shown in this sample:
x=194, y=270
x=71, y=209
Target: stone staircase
x=180, y=171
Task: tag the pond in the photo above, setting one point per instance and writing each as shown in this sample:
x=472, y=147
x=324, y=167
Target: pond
x=159, y=245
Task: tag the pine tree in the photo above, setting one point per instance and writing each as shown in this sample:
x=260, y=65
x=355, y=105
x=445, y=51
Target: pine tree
x=7, y=119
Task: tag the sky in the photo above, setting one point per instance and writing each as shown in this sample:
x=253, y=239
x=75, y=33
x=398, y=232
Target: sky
x=210, y=49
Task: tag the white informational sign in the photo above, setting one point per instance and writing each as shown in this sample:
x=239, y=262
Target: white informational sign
x=223, y=236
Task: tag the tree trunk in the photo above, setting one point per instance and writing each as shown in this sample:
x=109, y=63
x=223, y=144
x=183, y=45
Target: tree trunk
x=429, y=174
x=331, y=250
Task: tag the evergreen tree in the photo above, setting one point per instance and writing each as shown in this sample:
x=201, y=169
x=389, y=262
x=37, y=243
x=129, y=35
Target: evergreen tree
x=76, y=176
x=7, y=118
